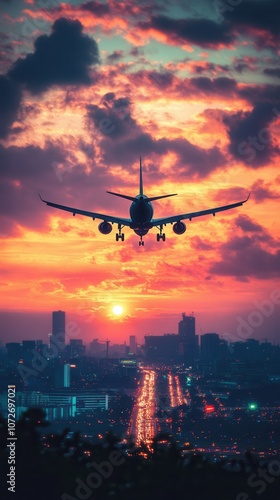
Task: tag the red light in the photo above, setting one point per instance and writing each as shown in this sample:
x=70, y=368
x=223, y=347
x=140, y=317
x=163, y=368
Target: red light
x=209, y=408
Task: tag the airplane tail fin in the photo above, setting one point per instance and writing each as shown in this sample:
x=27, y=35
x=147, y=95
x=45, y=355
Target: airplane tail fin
x=141, y=190
x=140, y=179
x=132, y=198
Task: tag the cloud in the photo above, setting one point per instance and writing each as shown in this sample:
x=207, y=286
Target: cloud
x=245, y=255
x=115, y=56
x=10, y=99
x=259, y=18
x=96, y=8
x=201, y=245
x=112, y=117
x=247, y=225
x=262, y=191
x=62, y=58
x=20, y=186
x=201, y=32
x=275, y=72
x=250, y=137
x=207, y=67
x=247, y=260
x=55, y=173
x=124, y=140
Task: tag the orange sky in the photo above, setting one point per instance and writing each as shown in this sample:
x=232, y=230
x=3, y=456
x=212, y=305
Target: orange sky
x=190, y=110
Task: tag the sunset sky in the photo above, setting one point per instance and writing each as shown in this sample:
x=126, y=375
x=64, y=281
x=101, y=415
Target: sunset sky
x=85, y=89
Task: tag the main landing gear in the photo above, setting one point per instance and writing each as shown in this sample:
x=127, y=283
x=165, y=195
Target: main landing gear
x=120, y=235
x=160, y=235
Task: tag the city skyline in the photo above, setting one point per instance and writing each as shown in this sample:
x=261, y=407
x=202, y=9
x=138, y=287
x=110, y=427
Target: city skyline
x=88, y=87
x=62, y=324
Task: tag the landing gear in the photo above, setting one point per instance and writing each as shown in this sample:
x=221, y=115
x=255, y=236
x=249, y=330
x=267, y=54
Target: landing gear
x=120, y=235
x=141, y=242
x=160, y=235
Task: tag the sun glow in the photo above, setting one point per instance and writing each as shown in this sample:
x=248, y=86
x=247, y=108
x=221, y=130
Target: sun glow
x=118, y=310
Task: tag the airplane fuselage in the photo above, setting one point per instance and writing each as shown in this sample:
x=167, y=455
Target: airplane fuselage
x=141, y=213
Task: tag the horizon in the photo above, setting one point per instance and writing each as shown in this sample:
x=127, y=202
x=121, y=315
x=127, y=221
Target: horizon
x=252, y=326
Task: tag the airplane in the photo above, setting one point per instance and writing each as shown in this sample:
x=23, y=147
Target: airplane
x=141, y=214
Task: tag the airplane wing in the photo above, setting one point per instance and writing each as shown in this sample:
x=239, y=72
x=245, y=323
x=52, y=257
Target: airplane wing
x=93, y=215
x=190, y=215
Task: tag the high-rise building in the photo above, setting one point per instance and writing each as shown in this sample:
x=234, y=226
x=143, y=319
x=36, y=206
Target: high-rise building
x=186, y=327
x=75, y=348
x=132, y=344
x=188, y=338
x=62, y=375
x=162, y=348
x=210, y=347
x=58, y=326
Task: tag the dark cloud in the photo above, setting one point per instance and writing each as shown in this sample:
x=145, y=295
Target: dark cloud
x=96, y=8
x=245, y=63
x=55, y=173
x=262, y=191
x=248, y=252
x=221, y=85
x=112, y=118
x=250, y=138
x=275, y=72
x=136, y=52
x=62, y=58
x=246, y=255
x=201, y=32
x=161, y=79
x=24, y=172
x=261, y=94
x=192, y=160
x=198, y=244
x=247, y=225
x=124, y=140
x=261, y=15
x=209, y=67
x=247, y=260
x=115, y=56
x=10, y=99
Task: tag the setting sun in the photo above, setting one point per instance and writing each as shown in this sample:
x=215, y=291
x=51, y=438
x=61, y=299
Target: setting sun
x=117, y=310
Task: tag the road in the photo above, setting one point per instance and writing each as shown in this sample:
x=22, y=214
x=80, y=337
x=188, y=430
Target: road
x=143, y=423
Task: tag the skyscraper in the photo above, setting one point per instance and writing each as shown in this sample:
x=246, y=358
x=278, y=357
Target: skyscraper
x=209, y=349
x=188, y=338
x=62, y=375
x=58, y=326
x=132, y=344
x=186, y=327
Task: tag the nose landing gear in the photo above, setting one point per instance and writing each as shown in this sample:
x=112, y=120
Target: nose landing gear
x=141, y=242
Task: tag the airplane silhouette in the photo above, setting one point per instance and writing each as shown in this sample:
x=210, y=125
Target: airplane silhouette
x=141, y=215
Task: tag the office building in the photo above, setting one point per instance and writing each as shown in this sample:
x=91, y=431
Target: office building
x=62, y=375
x=162, y=348
x=188, y=338
x=58, y=326
x=132, y=344
x=75, y=348
x=210, y=347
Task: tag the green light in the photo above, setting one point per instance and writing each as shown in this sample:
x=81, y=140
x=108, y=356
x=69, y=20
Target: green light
x=253, y=406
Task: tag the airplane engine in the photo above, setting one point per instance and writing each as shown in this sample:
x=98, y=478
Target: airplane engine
x=179, y=227
x=105, y=227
